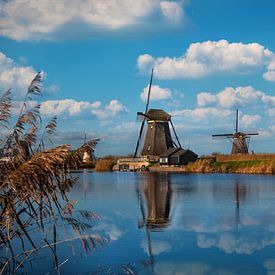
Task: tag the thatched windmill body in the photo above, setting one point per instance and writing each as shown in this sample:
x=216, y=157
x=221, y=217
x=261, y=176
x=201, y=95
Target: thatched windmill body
x=240, y=141
x=158, y=137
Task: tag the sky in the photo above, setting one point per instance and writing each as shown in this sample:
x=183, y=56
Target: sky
x=209, y=58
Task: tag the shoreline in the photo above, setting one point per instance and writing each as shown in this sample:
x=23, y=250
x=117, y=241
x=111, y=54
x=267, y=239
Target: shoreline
x=208, y=166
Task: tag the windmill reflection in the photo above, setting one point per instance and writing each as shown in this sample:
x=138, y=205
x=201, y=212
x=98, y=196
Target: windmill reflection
x=155, y=192
x=240, y=192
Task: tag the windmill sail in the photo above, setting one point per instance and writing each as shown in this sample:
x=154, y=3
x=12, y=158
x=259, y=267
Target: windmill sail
x=143, y=121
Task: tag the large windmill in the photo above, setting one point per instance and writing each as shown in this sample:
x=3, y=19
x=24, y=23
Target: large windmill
x=158, y=138
x=240, y=141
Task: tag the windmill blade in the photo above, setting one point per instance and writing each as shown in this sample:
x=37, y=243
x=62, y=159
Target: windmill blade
x=237, y=121
x=149, y=91
x=175, y=133
x=223, y=135
x=252, y=134
x=144, y=117
x=139, y=137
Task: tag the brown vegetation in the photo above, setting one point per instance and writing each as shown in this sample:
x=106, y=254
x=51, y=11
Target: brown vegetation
x=33, y=184
x=105, y=164
x=244, y=157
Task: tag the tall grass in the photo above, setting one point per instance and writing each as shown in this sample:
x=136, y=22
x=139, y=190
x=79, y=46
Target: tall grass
x=245, y=167
x=244, y=157
x=34, y=182
x=105, y=164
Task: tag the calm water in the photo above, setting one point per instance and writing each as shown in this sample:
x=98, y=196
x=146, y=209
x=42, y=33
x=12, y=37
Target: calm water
x=173, y=224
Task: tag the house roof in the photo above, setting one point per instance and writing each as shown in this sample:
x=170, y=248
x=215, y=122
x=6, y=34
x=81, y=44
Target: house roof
x=179, y=153
x=169, y=152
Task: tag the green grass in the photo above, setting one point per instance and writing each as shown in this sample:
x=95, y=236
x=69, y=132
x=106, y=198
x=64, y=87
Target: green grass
x=242, y=163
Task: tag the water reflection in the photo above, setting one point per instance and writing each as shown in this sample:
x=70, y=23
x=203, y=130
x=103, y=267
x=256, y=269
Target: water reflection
x=175, y=223
x=156, y=193
x=240, y=196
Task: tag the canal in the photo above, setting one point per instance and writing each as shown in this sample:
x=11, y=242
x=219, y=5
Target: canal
x=158, y=223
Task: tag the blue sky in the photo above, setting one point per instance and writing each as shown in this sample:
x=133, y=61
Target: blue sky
x=210, y=57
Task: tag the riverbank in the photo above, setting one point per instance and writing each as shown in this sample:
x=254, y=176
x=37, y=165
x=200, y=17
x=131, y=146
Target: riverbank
x=222, y=165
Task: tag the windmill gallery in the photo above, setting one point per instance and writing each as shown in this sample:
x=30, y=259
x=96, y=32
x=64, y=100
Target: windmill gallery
x=158, y=144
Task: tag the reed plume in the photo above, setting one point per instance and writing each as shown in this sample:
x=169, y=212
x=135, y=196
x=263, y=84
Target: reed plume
x=34, y=182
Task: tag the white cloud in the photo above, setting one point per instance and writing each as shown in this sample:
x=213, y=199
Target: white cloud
x=73, y=107
x=204, y=99
x=112, y=109
x=70, y=106
x=250, y=120
x=172, y=11
x=14, y=76
x=270, y=74
x=36, y=19
x=157, y=93
x=203, y=114
x=233, y=97
x=18, y=78
x=206, y=58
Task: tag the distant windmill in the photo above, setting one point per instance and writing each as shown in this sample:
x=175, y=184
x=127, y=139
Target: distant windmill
x=240, y=141
x=158, y=137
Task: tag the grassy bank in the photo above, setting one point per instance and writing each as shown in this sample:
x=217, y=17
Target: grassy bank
x=210, y=166
x=243, y=166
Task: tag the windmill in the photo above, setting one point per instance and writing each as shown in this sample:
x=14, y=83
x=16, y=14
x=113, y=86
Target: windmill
x=158, y=137
x=240, y=141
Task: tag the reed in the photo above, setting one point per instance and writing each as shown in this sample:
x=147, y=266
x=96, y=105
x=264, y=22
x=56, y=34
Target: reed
x=34, y=182
x=105, y=164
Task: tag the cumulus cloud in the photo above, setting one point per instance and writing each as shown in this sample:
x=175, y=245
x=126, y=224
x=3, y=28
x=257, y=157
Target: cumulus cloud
x=233, y=97
x=157, y=93
x=270, y=74
x=202, y=59
x=70, y=106
x=203, y=114
x=112, y=109
x=14, y=76
x=17, y=77
x=73, y=107
x=42, y=19
x=250, y=120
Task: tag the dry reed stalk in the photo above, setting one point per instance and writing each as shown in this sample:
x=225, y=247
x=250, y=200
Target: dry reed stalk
x=105, y=165
x=34, y=181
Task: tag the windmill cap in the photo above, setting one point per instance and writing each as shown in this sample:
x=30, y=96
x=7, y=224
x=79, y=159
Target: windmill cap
x=157, y=114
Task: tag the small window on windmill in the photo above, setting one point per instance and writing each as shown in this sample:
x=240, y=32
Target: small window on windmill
x=151, y=127
x=149, y=147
